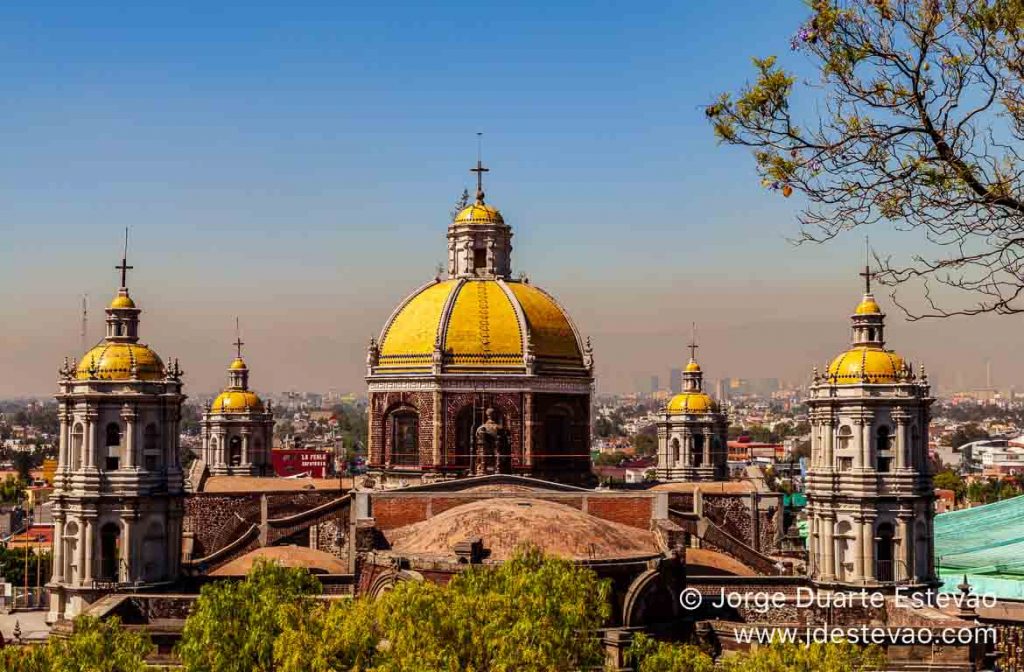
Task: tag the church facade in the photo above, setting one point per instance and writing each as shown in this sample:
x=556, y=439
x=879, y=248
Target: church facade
x=479, y=372
x=118, y=489
x=869, y=484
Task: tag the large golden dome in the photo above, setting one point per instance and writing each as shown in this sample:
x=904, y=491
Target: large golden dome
x=865, y=365
x=113, y=360
x=692, y=402
x=236, y=401
x=480, y=325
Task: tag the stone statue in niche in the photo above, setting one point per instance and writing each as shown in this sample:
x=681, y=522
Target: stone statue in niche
x=491, y=447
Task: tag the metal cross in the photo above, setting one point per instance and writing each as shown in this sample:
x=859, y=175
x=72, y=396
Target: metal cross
x=693, y=342
x=124, y=267
x=238, y=340
x=867, y=274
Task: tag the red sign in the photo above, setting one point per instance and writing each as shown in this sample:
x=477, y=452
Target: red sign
x=300, y=462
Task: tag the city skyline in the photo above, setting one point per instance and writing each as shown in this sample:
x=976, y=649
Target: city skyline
x=286, y=170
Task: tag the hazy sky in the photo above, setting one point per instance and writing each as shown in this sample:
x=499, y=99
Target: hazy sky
x=294, y=164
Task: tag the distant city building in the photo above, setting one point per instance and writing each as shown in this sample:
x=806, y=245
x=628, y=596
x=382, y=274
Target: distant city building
x=301, y=462
x=675, y=381
x=655, y=385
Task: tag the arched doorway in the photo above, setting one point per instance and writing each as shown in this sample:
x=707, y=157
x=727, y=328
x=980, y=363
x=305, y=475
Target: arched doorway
x=405, y=439
x=110, y=551
x=884, y=553
x=558, y=440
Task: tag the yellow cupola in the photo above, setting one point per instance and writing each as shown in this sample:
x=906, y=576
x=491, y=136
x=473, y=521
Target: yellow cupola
x=692, y=399
x=867, y=361
x=236, y=397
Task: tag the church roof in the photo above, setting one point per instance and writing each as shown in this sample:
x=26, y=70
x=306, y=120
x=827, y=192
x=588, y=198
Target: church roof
x=317, y=562
x=507, y=523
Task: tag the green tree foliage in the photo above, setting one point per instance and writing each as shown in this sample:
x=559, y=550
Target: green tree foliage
x=916, y=119
x=610, y=459
x=790, y=657
x=992, y=490
x=13, y=563
x=966, y=434
x=649, y=655
x=94, y=646
x=11, y=489
x=645, y=442
x=947, y=479
x=234, y=623
x=531, y=614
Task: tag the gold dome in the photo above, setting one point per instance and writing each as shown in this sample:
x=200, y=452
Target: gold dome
x=480, y=325
x=692, y=367
x=865, y=364
x=238, y=364
x=112, y=360
x=122, y=301
x=236, y=401
x=868, y=306
x=479, y=213
x=692, y=402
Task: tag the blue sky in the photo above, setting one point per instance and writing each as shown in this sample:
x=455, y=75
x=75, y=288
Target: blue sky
x=294, y=163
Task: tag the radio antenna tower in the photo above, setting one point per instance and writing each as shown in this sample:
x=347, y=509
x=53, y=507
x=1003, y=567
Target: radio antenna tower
x=84, y=335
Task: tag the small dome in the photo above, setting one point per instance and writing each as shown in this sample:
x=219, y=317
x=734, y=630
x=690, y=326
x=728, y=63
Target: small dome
x=317, y=562
x=865, y=364
x=868, y=306
x=479, y=213
x=122, y=301
x=236, y=401
x=238, y=364
x=504, y=524
x=111, y=360
x=692, y=367
x=692, y=402
x=480, y=325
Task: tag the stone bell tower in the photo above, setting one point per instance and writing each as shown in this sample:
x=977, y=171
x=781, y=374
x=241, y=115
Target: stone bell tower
x=118, y=490
x=869, y=483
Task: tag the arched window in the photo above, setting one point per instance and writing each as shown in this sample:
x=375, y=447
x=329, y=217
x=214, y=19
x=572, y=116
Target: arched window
x=151, y=447
x=70, y=551
x=465, y=425
x=883, y=454
x=884, y=552
x=235, y=451
x=558, y=440
x=697, y=456
x=113, y=446
x=405, y=439
x=110, y=551
x=675, y=451
x=915, y=448
x=845, y=437
x=843, y=536
x=77, y=442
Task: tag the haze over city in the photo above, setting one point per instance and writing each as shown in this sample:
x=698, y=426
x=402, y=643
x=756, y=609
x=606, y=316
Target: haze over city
x=304, y=185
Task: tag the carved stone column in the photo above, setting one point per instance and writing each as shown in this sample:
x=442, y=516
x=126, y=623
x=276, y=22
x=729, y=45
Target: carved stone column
x=128, y=415
x=528, y=429
x=89, y=550
x=58, y=549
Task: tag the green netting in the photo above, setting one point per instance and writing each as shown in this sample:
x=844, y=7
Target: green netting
x=986, y=543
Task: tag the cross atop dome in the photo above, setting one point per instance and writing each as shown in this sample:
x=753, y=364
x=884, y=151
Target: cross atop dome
x=238, y=340
x=693, y=342
x=123, y=266
x=479, y=170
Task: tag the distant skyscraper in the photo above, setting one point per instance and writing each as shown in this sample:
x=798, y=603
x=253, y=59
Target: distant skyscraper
x=655, y=384
x=675, y=381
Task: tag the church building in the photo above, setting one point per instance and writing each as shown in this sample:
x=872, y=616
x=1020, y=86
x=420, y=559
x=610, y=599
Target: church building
x=479, y=372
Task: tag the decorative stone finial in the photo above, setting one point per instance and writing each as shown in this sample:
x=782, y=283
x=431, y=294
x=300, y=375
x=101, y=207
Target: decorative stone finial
x=372, y=353
x=588, y=355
